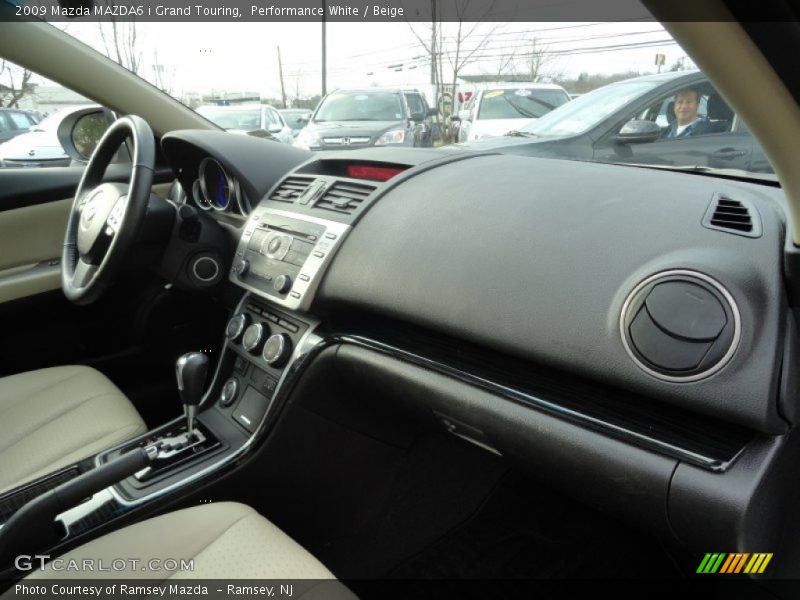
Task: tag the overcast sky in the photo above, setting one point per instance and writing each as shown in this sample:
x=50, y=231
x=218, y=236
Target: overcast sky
x=206, y=57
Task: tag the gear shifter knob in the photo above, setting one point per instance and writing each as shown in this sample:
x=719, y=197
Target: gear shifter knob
x=190, y=370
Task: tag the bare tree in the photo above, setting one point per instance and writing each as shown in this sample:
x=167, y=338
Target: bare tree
x=120, y=42
x=461, y=57
x=163, y=75
x=15, y=83
x=437, y=45
x=431, y=42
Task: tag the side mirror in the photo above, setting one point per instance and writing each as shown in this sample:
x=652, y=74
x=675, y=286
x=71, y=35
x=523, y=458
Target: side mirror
x=303, y=120
x=432, y=112
x=80, y=131
x=638, y=132
x=463, y=115
x=455, y=118
x=274, y=128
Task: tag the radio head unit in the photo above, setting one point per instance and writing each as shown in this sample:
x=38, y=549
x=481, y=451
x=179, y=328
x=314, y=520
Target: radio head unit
x=282, y=255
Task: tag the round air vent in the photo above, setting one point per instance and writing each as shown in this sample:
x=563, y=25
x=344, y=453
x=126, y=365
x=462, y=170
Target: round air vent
x=680, y=325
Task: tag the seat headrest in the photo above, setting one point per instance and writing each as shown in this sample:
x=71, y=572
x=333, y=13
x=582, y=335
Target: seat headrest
x=718, y=109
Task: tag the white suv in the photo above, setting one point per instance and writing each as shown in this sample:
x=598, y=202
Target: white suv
x=498, y=109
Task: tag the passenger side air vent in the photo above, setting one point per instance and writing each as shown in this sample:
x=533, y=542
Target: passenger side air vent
x=291, y=188
x=680, y=325
x=344, y=197
x=733, y=216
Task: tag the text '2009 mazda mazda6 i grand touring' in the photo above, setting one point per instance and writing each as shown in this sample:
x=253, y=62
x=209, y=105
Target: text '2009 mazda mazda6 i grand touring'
x=231, y=366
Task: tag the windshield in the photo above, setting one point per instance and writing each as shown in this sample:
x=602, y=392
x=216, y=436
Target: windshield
x=296, y=119
x=583, y=113
x=520, y=103
x=488, y=86
x=366, y=106
x=232, y=118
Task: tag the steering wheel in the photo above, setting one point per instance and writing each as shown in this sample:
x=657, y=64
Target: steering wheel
x=106, y=217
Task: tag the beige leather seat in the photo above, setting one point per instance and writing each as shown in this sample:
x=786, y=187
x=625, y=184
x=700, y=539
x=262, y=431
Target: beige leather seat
x=52, y=418
x=225, y=540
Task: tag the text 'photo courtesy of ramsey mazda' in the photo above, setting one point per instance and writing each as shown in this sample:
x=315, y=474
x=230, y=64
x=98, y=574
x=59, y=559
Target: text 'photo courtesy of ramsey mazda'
x=325, y=300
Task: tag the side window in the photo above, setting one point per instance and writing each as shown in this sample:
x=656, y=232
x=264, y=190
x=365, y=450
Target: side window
x=690, y=112
x=32, y=100
x=20, y=120
x=415, y=104
x=276, y=118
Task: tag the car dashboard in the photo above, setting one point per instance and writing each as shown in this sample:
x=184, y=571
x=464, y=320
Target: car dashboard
x=623, y=333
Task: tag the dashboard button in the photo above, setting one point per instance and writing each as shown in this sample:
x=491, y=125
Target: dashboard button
x=295, y=295
x=241, y=268
x=282, y=284
x=229, y=392
x=319, y=254
x=236, y=326
x=304, y=277
x=277, y=350
x=254, y=337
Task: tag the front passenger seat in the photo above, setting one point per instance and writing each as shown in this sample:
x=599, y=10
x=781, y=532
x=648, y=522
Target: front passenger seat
x=224, y=540
x=53, y=418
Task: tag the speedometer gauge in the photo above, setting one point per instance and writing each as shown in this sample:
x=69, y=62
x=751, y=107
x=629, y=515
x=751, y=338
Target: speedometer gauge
x=215, y=184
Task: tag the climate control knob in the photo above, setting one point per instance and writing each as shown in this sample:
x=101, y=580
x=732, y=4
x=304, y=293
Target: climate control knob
x=282, y=284
x=254, y=337
x=229, y=391
x=277, y=349
x=236, y=326
x=241, y=268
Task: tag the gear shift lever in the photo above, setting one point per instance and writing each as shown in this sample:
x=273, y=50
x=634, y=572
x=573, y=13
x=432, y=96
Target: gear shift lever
x=190, y=371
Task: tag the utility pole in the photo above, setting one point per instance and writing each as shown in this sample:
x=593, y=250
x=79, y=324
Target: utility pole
x=433, y=43
x=280, y=71
x=324, y=52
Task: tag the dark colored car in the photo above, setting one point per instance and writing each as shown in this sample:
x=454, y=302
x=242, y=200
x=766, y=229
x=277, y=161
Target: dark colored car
x=627, y=122
x=14, y=122
x=350, y=119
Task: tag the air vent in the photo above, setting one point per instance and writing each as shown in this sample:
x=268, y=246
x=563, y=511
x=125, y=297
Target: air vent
x=344, y=197
x=680, y=325
x=733, y=216
x=291, y=188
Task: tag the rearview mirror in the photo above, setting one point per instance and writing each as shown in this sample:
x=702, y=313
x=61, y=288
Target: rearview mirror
x=638, y=131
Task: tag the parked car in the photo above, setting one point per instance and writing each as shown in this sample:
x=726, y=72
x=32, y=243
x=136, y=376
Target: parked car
x=250, y=119
x=14, y=122
x=628, y=122
x=351, y=119
x=500, y=109
x=296, y=118
x=40, y=147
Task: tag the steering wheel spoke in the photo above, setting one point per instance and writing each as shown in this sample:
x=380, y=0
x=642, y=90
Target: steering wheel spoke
x=114, y=220
x=84, y=272
x=106, y=217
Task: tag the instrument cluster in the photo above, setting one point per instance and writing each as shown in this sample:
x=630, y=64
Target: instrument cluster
x=216, y=189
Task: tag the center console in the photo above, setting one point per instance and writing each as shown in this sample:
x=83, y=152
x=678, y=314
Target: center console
x=279, y=261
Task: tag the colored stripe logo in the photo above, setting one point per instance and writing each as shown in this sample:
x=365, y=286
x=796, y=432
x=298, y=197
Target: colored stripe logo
x=732, y=563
